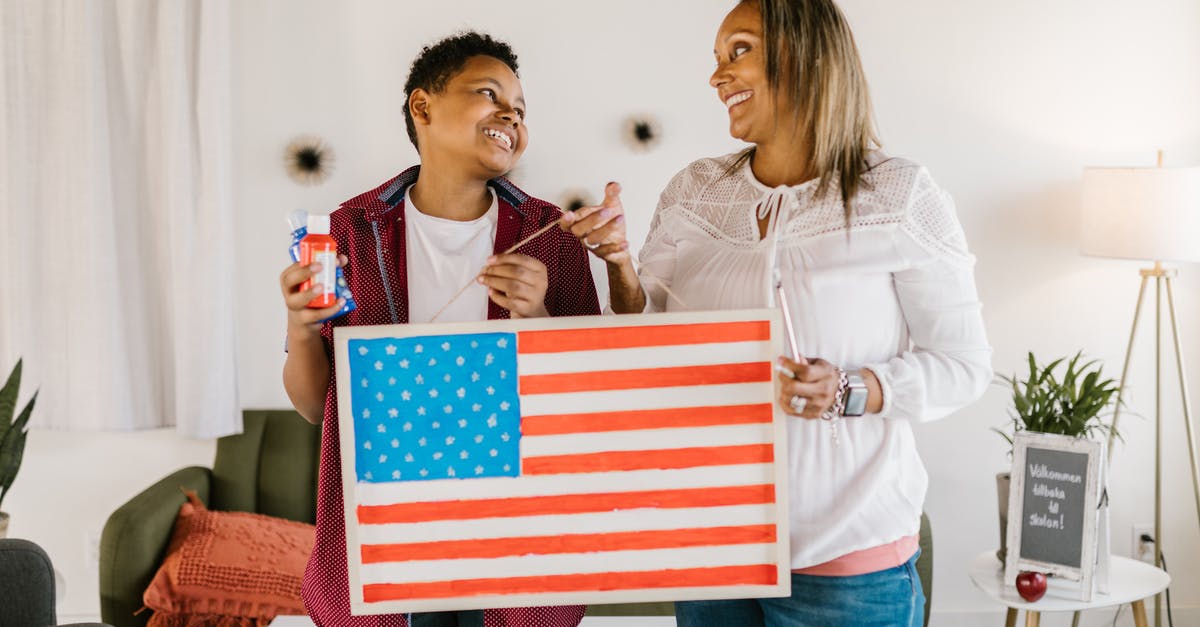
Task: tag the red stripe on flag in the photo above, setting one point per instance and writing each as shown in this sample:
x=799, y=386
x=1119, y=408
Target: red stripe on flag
x=645, y=460
x=562, y=341
x=759, y=574
x=601, y=380
x=575, y=543
x=675, y=417
x=564, y=504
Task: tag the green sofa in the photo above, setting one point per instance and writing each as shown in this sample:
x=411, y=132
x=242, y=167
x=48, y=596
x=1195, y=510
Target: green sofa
x=270, y=468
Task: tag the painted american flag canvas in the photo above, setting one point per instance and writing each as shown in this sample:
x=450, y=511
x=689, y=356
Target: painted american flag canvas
x=556, y=461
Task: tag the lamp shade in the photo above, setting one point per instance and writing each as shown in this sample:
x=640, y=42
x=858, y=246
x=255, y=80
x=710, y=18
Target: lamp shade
x=1142, y=213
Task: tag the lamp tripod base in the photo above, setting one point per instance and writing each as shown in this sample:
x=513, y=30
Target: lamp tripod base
x=1163, y=277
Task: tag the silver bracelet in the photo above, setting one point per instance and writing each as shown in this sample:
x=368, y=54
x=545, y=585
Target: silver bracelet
x=839, y=398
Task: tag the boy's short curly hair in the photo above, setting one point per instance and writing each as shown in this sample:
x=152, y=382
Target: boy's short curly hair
x=439, y=62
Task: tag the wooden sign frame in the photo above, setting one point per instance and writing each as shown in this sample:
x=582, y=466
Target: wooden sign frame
x=450, y=494
x=1085, y=573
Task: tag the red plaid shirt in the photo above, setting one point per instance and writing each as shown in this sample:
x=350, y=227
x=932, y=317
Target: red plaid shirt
x=369, y=230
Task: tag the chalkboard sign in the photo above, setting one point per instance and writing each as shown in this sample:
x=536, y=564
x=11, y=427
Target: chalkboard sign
x=1053, y=500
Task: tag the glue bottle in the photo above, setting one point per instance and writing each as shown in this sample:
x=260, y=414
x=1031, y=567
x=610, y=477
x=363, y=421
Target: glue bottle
x=318, y=247
x=298, y=223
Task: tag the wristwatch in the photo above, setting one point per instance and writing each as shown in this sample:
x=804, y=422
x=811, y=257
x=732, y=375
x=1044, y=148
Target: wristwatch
x=856, y=395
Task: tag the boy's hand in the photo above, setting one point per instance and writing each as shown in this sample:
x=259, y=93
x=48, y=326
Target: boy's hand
x=301, y=319
x=517, y=283
x=601, y=229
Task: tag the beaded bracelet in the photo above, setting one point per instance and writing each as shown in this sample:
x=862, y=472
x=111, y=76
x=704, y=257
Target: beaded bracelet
x=839, y=398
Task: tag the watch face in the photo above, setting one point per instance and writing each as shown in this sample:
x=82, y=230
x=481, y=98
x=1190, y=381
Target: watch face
x=856, y=402
x=856, y=398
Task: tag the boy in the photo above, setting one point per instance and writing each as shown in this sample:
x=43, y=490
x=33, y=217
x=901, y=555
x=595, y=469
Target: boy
x=410, y=245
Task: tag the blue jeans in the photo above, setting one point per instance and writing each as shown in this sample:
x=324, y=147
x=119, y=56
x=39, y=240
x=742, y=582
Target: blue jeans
x=887, y=598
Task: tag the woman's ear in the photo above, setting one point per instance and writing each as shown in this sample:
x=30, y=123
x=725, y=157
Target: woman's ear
x=418, y=106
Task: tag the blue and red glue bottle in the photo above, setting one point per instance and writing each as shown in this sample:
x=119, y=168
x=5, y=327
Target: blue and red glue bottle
x=318, y=247
x=311, y=243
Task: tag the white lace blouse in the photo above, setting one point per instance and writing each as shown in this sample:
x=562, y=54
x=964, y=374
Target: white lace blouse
x=894, y=294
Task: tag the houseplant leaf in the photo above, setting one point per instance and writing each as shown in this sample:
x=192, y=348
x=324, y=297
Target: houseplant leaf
x=1066, y=396
x=12, y=433
x=12, y=448
x=8, y=398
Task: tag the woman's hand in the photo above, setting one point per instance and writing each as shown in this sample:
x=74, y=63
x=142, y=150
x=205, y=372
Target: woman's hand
x=812, y=387
x=517, y=283
x=601, y=229
x=301, y=319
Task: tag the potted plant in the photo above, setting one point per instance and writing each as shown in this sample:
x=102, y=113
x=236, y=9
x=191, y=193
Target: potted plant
x=12, y=437
x=1072, y=403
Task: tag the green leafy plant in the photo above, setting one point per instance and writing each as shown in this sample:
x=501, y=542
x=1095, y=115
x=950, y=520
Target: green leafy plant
x=12, y=432
x=1071, y=403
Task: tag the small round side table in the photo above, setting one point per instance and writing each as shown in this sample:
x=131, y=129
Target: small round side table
x=1129, y=581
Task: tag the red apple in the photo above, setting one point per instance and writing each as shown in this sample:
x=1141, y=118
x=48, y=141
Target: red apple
x=1030, y=585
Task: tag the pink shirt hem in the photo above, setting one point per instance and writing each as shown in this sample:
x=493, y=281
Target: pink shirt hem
x=870, y=560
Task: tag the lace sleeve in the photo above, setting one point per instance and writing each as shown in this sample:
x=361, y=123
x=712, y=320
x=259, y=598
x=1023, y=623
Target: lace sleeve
x=931, y=221
x=656, y=261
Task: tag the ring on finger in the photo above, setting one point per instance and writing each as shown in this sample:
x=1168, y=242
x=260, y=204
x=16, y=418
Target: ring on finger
x=590, y=246
x=798, y=403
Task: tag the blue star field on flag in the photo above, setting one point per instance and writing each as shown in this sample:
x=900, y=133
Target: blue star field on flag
x=435, y=407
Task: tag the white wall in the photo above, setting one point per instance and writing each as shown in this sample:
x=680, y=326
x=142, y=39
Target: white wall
x=1004, y=101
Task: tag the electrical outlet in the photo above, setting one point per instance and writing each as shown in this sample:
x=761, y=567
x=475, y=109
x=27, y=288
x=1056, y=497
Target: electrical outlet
x=1142, y=550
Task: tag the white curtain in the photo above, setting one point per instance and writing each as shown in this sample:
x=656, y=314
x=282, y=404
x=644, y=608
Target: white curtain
x=116, y=213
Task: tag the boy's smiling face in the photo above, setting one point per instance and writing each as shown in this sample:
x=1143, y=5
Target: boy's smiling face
x=476, y=121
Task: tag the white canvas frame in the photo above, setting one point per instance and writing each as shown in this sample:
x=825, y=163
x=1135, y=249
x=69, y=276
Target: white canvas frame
x=1014, y=563
x=779, y=511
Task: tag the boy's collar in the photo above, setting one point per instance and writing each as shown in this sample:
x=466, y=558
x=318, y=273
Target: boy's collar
x=393, y=193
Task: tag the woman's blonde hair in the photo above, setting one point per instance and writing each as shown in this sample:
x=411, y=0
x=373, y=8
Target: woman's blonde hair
x=812, y=61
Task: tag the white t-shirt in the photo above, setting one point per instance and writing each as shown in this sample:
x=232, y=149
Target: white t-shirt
x=443, y=256
x=896, y=295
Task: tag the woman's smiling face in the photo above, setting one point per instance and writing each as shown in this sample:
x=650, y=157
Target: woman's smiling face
x=741, y=75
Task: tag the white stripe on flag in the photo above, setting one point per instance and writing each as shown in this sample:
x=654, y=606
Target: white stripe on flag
x=372, y=494
x=389, y=493
x=646, y=439
x=577, y=563
x=651, y=357
x=650, y=398
x=555, y=525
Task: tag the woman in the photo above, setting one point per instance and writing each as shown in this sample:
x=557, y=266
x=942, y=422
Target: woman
x=873, y=266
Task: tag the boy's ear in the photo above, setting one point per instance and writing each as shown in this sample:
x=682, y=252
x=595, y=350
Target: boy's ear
x=418, y=106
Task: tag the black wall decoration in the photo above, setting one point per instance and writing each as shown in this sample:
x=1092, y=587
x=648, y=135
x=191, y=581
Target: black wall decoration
x=642, y=132
x=308, y=160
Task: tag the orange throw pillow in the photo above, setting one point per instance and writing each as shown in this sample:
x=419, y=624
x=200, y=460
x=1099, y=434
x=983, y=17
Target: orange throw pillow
x=229, y=568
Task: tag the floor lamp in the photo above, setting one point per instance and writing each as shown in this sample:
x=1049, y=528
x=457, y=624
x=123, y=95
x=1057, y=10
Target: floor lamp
x=1151, y=214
